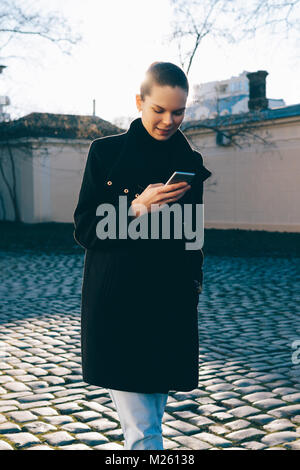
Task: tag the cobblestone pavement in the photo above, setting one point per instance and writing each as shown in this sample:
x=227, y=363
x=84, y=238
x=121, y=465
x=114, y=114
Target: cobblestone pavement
x=249, y=387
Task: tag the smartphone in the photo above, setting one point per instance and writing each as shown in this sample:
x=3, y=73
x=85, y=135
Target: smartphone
x=179, y=176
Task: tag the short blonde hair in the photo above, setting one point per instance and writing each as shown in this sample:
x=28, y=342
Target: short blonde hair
x=163, y=73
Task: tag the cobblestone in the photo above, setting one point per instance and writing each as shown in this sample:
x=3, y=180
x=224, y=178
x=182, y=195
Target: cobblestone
x=109, y=446
x=68, y=407
x=181, y=405
x=244, y=411
x=286, y=411
x=15, y=387
x=38, y=427
x=257, y=396
x=170, y=432
x=92, y=438
x=183, y=426
x=213, y=439
x=58, y=420
x=238, y=424
x=244, y=434
x=58, y=438
x=219, y=430
x=103, y=424
x=260, y=419
x=292, y=397
x=86, y=415
x=192, y=443
x=77, y=447
x=75, y=427
x=9, y=427
x=254, y=445
x=21, y=416
x=279, y=425
x=279, y=437
x=5, y=446
x=295, y=445
x=22, y=439
x=268, y=403
x=249, y=389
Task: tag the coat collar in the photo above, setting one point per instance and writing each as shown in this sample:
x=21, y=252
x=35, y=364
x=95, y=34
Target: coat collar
x=132, y=164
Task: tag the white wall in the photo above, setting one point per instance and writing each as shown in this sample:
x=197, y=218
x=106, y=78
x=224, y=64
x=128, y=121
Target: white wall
x=58, y=170
x=256, y=187
x=48, y=177
x=21, y=156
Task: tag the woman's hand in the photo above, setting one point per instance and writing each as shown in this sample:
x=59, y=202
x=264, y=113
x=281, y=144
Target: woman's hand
x=158, y=194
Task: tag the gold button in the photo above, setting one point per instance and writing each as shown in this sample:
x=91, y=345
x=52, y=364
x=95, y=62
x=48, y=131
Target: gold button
x=109, y=183
x=137, y=195
x=126, y=190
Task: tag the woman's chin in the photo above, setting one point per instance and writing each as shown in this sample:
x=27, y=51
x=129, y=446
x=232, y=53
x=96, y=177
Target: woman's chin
x=161, y=136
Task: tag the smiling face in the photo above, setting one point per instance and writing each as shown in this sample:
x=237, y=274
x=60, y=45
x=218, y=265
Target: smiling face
x=163, y=110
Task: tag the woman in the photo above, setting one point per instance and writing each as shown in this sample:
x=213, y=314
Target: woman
x=139, y=295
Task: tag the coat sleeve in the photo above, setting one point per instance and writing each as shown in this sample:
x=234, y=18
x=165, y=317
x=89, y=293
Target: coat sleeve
x=90, y=197
x=195, y=258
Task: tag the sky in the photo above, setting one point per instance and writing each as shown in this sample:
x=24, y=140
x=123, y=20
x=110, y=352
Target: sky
x=120, y=39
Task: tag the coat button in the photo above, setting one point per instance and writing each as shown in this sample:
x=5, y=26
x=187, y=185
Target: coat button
x=109, y=183
x=126, y=191
x=137, y=195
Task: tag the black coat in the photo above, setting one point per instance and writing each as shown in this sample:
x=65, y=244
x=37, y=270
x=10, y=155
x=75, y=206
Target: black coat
x=139, y=325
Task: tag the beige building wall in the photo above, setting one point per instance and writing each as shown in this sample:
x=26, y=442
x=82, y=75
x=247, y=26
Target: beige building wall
x=16, y=159
x=58, y=170
x=256, y=187
x=48, y=178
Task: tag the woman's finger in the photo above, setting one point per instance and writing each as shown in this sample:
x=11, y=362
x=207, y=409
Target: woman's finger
x=180, y=184
x=154, y=185
x=174, y=187
x=176, y=194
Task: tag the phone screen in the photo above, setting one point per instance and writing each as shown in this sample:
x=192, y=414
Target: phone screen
x=179, y=176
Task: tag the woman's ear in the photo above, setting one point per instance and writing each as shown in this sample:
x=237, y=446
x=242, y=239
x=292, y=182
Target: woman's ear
x=138, y=100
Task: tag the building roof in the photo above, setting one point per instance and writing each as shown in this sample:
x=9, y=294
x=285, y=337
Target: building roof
x=249, y=117
x=68, y=126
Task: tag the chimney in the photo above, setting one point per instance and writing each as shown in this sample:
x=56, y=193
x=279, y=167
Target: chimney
x=257, y=90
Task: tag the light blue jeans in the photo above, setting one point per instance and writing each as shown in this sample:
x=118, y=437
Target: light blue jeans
x=140, y=416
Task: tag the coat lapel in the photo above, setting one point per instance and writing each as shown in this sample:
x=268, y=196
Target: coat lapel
x=131, y=169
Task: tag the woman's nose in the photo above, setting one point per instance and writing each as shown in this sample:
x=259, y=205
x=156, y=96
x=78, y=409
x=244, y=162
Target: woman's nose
x=168, y=120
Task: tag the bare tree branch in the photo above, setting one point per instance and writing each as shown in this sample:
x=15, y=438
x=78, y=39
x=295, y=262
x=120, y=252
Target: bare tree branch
x=11, y=187
x=19, y=19
x=3, y=210
x=274, y=15
x=240, y=133
x=194, y=20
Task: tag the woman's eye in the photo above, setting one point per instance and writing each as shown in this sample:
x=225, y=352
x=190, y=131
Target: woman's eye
x=178, y=113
